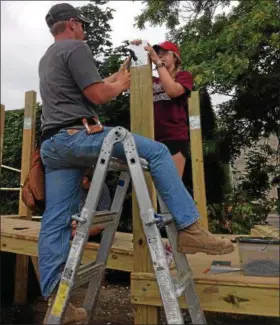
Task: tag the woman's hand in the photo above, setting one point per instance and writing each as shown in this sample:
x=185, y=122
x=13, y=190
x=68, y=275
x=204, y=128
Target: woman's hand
x=153, y=55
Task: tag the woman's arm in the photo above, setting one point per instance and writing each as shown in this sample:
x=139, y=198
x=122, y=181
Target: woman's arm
x=171, y=87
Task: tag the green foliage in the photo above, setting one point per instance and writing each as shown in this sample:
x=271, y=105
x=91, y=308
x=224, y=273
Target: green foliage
x=237, y=54
x=237, y=215
x=98, y=34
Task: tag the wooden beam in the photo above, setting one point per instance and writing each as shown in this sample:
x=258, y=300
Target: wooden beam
x=142, y=122
x=216, y=295
x=197, y=158
x=29, y=125
x=2, y=129
x=28, y=138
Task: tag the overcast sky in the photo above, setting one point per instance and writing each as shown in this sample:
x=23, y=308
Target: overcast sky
x=25, y=37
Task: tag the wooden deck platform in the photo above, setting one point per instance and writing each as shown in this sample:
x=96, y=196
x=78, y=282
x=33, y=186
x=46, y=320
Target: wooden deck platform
x=230, y=292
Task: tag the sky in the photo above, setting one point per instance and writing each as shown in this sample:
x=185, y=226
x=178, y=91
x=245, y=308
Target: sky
x=25, y=37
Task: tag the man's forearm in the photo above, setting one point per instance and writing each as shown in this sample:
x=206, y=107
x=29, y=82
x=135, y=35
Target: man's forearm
x=111, y=78
x=110, y=91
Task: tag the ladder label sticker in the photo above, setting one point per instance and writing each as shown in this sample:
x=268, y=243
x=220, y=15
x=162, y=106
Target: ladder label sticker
x=152, y=240
x=73, y=255
x=194, y=122
x=60, y=298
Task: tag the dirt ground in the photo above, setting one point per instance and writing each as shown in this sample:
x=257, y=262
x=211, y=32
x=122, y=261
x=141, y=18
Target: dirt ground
x=114, y=308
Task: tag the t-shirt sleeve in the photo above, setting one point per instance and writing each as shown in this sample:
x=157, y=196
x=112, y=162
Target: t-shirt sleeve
x=186, y=80
x=82, y=67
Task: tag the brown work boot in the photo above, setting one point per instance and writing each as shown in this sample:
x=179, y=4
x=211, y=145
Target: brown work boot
x=196, y=239
x=72, y=315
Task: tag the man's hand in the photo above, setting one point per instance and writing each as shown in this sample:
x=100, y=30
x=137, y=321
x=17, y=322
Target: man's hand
x=124, y=66
x=124, y=79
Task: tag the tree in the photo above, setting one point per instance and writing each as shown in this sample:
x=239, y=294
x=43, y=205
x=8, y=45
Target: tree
x=98, y=33
x=235, y=54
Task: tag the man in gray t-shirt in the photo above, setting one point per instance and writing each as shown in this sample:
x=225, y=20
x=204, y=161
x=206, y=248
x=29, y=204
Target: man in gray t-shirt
x=70, y=87
x=65, y=70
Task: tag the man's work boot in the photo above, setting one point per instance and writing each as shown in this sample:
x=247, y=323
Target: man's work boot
x=72, y=315
x=196, y=239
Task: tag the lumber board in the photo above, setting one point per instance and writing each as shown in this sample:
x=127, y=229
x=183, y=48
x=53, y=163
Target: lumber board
x=252, y=298
x=265, y=231
x=20, y=236
x=142, y=122
x=230, y=292
x=21, y=276
x=197, y=158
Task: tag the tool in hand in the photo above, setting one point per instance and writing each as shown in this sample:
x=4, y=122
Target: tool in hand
x=131, y=56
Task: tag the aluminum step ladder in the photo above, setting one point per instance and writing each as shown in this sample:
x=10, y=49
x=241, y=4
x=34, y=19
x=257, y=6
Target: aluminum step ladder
x=76, y=275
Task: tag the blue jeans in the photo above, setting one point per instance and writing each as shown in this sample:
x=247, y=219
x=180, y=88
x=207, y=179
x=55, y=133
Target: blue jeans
x=65, y=158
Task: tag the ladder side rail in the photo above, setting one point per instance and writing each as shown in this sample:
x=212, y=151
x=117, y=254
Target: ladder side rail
x=182, y=264
x=67, y=281
x=161, y=268
x=106, y=244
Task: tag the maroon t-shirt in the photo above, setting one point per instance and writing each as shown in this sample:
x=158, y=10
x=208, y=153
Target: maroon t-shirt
x=170, y=114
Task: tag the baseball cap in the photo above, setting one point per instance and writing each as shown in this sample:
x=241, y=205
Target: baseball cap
x=64, y=12
x=168, y=46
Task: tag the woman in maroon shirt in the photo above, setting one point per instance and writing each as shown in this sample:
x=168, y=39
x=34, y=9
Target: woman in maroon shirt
x=170, y=92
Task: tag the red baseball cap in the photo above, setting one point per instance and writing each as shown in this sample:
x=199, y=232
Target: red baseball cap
x=168, y=46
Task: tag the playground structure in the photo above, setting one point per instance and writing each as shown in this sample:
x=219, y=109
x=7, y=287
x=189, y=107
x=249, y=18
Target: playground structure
x=229, y=292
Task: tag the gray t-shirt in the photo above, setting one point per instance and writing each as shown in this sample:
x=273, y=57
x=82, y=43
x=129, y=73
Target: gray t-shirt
x=65, y=70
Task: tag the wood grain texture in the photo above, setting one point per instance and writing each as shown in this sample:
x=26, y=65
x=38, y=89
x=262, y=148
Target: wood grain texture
x=197, y=158
x=27, y=143
x=218, y=292
x=29, y=126
x=142, y=122
x=218, y=296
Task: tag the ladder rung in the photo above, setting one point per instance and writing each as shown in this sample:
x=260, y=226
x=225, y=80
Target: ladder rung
x=100, y=218
x=104, y=217
x=160, y=219
x=87, y=272
x=118, y=164
x=181, y=282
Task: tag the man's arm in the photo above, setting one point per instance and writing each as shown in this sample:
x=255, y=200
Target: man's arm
x=111, y=78
x=84, y=72
x=102, y=93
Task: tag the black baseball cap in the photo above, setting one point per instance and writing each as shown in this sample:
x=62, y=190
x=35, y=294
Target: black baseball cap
x=64, y=12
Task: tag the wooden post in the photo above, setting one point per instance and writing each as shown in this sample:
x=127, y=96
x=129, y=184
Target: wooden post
x=29, y=124
x=142, y=122
x=28, y=139
x=197, y=158
x=2, y=129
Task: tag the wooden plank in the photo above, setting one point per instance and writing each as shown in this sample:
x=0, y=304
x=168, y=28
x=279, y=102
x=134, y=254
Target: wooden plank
x=142, y=122
x=21, y=276
x=35, y=263
x=253, y=299
x=2, y=129
x=27, y=143
x=118, y=259
x=265, y=231
x=197, y=158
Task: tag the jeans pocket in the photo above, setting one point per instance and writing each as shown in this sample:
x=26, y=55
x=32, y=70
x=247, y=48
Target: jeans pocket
x=51, y=155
